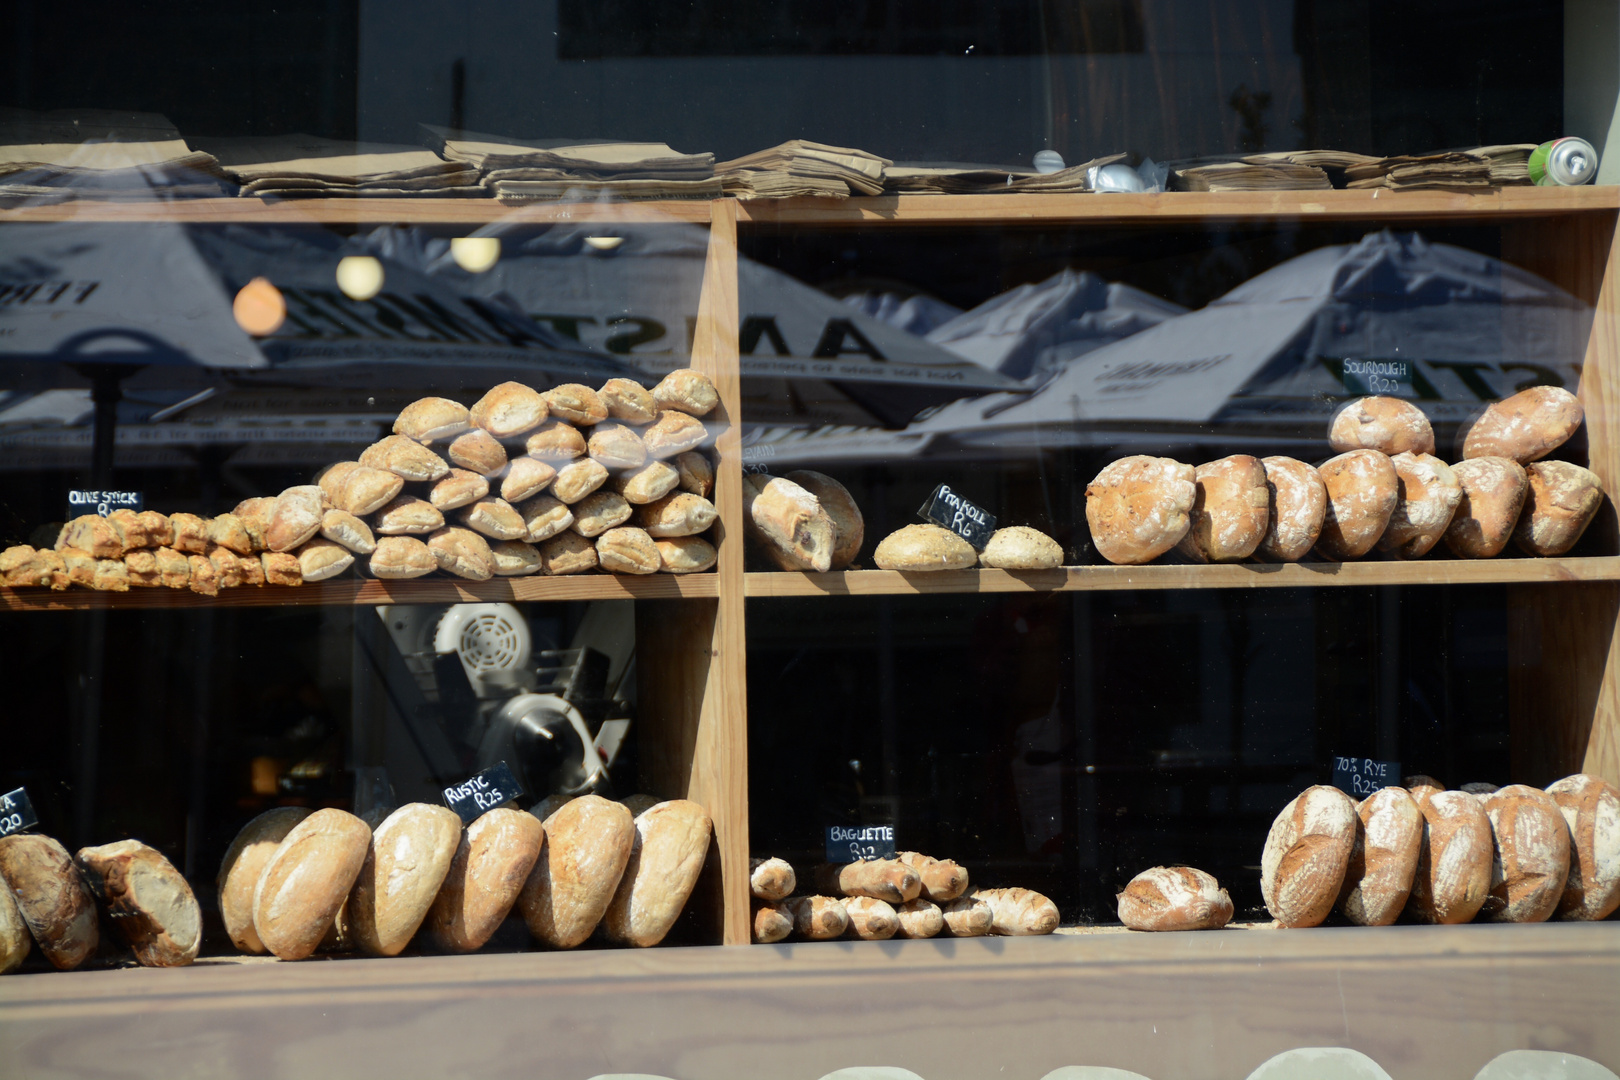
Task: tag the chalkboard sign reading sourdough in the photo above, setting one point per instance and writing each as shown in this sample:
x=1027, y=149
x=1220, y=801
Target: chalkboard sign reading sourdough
x=16, y=812
x=489, y=789
x=1359, y=777
x=103, y=503
x=972, y=523
x=855, y=843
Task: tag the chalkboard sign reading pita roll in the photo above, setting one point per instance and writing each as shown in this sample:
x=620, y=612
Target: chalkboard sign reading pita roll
x=103, y=502
x=972, y=523
x=854, y=843
x=489, y=789
x=1359, y=777
x=16, y=812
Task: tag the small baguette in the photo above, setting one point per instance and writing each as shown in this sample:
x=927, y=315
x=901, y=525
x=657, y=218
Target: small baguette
x=882, y=879
x=942, y=879
x=772, y=923
x=1019, y=912
x=967, y=916
x=771, y=879
x=919, y=918
x=818, y=918
x=871, y=919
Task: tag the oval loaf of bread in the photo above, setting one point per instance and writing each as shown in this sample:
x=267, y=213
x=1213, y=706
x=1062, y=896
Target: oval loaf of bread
x=409, y=856
x=1174, y=898
x=1561, y=502
x=52, y=898
x=582, y=859
x=1138, y=508
x=1591, y=809
x=788, y=523
x=1018, y=912
x=493, y=860
x=147, y=900
x=239, y=871
x=1230, y=512
x=1493, y=493
x=1531, y=863
x=307, y=880
x=1306, y=855
x=883, y=879
x=1362, y=489
x=1389, y=425
x=1389, y=836
x=1428, y=496
x=671, y=842
x=1019, y=547
x=1453, y=875
x=922, y=548
x=1525, y=427
x=1297, y=504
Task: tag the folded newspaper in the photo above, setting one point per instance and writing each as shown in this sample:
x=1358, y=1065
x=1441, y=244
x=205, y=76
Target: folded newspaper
x=304, y=166
x=948, y=178
x=1250, y=176
x=99, y=154
x=801, y=167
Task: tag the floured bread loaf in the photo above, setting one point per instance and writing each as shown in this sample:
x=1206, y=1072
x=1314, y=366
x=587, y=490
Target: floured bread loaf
x=600, y=511
x=575, y=403
x=688, y=391
x=818, y=918
x=307, y=880
x=492, y=861
x=147, y=900
x=1525, y=427
x=317, y=560
x=515, y=558
x=849, y=527
x=941, y=879
x=1493, y=494
x=1453, y=875
x=1306, y=855
x=569, y=553
x=544, y=516
x=924, y=547
x=771, y=879
x=772, y=923
x=628, y=401
x=1378, y=878
x=478, y=451
x=509, y=410
x=696, y=473
x=967, y=916
x=1174, y=898
x=52, y=898
x=15, y=940
x=788, y=523
x=348, y=531
x=1019, y=547
x=1561, y=502
x=496, y=519
x=1138, y=508
x=432, y=418
x=673, y=433
x=578, y=479
x=671, y=842
x=402, y=557
x=1591, y=809
x=525, y=478
x=1230, y=511
x=870, y=919
x=295, y=519
x=407, y=458
x=616, y=446
x=647, y=484
x=1362, y=490
x=884, y=879
x=242, y=866
x=582, y=859
x=463, y=553
x=1530, y=866
x=1386, y=424
x=407, y=516
x=556, y=441
x=1018, y=912
x=628, y=550
x=685, y=554
x=677, y=514
x=919, y=918
x=1427, y=498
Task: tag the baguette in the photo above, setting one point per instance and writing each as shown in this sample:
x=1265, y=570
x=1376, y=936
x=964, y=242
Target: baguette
x=647, y=484
x=671, y=842
x=242, y=866
x=771, y=879
x=967, y=916
x=685, y=554
x=478, y=451
x=772, y=923
x=695, y=472
x=410, y=854
x=687, y=390
x=496, y=519
x=406, y=458
x=575, y=403
x=789, y=523
x=919, y=919
x=942, y=879
x=582, y=859
x=147, y=900
x=458, y=488
x=525, y=478
x=556, y=440
x=51, y=897
x=871, y=919
x=881, y=879
x=673, y=433
x=1018, y=912
x=615, y=446
x=493, y=860
x=307, y=880
x=818, y=918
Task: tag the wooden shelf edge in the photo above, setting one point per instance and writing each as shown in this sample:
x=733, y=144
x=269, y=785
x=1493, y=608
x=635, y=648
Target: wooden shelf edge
x=422, y=211
x=1229, y=576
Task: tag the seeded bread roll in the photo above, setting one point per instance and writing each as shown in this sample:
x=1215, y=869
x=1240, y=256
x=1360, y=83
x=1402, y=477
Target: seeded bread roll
x=52, y=898
x=457, y=489
x=1493, y=494
x=406, y=458
x=1561, y=502
x=398, y=558
x=772, y=923
x=242, y=866
x=96, y=535
x=478, y=451
x=688, y=391
x=203, y=579
x=1525, y=427
x=1174, y=898
x=463, y=553
x=407, y=516
x=568, y=553
x=578, y=479
x=647, y=484
x=671, y=842
x=15, y=940
x=771, y=879
x=190, y=533
x=628, y=401
x=556, y=441
x=788, y=523
x=307, y=880
x=147, y=900
x=1362, y=490
x=967, y=916
x=941, y=879
x=280, y=568
x=1384, y=858
x=628, y=550
x=1386, y=424
x=871, y=919
x=515, y=558
x=1591, y=809
x=600, y=511
x=1019, y=912
x=919, y=918
x=1306, y=855
x=544, y=516
x=496, y=519
x=1230, y=512
x=576, y=403
x=696, y=473
x=582, y=860
x=365, y=490
x=885, y=879
x=1138, y=508
x=343, y=528
x=685, y=555
x=677, y=514
x=1019, y=547
x=525, y=478
x=432, y=418
x=1428, y=495
x=141, y=569
x=673, y=433
x=509, y=410
x=295, y=519
x=317, y=560
x=1530, y=864
x=924, y=547
x=1453, y=875
x=494, y=859
x=818, y=918
x=849, y=526
x=615, y=446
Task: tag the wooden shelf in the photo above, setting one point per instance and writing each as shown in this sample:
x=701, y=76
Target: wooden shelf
x=403, y=211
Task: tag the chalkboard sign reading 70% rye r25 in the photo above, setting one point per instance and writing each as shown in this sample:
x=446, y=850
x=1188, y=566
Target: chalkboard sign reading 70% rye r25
x=972, y=523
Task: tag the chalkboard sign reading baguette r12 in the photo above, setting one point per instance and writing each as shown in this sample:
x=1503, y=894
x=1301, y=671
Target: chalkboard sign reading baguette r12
x=855, y=843
x=972, y=523
x=16, y=812
x=489, y=789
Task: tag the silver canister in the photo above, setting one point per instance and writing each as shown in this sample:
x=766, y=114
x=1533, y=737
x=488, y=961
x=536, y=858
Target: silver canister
x=1565, y=162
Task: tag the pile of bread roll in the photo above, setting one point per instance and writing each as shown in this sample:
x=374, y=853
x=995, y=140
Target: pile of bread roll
x=1512, y=854
x=564, y=481
x=1385, y=490
x=932, y=547
x=909, y=896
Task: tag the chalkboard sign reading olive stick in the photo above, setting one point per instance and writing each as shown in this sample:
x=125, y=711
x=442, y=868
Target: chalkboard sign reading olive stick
x=103, y=503
x=856, y=843
x=489, y=789
x=16, y=812
x=972, y=523
x=1360, y=777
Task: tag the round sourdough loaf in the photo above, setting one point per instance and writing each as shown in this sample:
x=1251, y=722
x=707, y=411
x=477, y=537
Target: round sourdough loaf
x=1428, y=495
x=1525, y=427
x=1530, y=866
x=1493, y=493
x=576, y=403
x=431, y=418
x=1306, y=854
x=1561, y=502
x=410, y=854
x=1138, y=508
x=967, y=916
x=1019, y=547
x=147, y=900
x=1591, y=809
x=582, y=859
x=1386, y=424
x=919, y=918
x=1362, y=489
x=628, y=401
x=671, y=842
x=244, y=862
x=52, y=898
x=1453, y=875
x=1174, y=898
x=871, y=919
x=772, y=923
x=493, y=860
x=307, y=880
x=771, y=879
x=509, y=410
x=15, y=940
x=1019, y=912
x=924, y=547
x=818, y=918
x=1230, y=512
x=1296, y=506
x=849, y=527
x=1378, y=878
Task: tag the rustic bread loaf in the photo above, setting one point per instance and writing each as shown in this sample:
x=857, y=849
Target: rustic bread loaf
x=463, y=553
x=1138, y=508
x=818, y=918
x=509, y=410
x=919, y=918
x=348, y=531
x=492, y=861
x=495, y=518
x=147, y=900
x=1378, y=879
x=1174, y=898
x=1525, y=427
x=685, y=554
x=1591, y=810
x=788, y=523
x=1018, y=912
x=615, y=446
x=295, y=518
x=1019, y=547
x=568, y=553
x=772, y=923
x=600, y=511
x=407, y=516
x=1230, y=511
x=582, y=859
x=1420, y=786
x=771, y=879
x=15, y=940
x=190, y=534
x=673, y=433
x=399, y=558
x=476, y=450
x=1386, y=424
x=240, y=869
x=52, y=898
x=556, y=441
x=544, y=516
x=515, y=558
x=967, y=916
x=1306, y=854
x=578, y=479
x=678, y=514
x=432, y=418
x=885, y=879
x=671, y=842
x=306, y=880
x=941, y=879
x=1493, y=494
x=647, y=484
x=576, y=403
x=870, y=919
x=1428, y=494
x=525, y=478
x=922, y=548
x=1530, y=864
x=628, y=401
x=688, y=391
x=696, y=473
x=849, y=527
x=1561, y=502
x=1453, y=875
x=1362, y=490
x=95, y=534
x=317, y=560
x=628, y=550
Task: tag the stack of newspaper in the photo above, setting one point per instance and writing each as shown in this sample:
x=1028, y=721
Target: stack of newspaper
x=99, y=154
x=1453, y=171
x=308, y=166
x=1509, y=162
x=932, y=178
x=564, y=168
x=1249, y=175
x=800, y=167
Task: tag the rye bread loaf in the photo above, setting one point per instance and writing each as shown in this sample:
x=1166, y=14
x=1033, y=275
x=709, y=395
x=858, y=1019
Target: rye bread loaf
x=307, y=879
x=1378, y=879
x=242, y=866
x=509, y=410
x=919, y=918
x=1386, y=424
x=941, y=879
x=494, y=858
x=1420, y=786
x=871, y=919
x=15, y=940
x=1493, y=494
x=1018, y=912
x=1561, y=502
x=1306, y=854
x=1428, y=494
x=1174, y=898
x=1530, y=864
x=1230, y=511
x=924, y=548
x=1362, y=490
x=1019, y=547
x=52, y=897
x=788, y=523
x=582, y=860
x=966, y=916
x=410, y=854
x=1138, y=508
x=772, y=923
x=884, y=879
x=849, y=527
x=771, y=879
x=1591, y=809
x=1453, y=875
x=671, y=842
x=818, y=918
x=147, y=900
x=1525, y=427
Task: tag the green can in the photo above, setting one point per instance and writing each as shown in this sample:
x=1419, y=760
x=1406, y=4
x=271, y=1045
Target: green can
x=1565, y=162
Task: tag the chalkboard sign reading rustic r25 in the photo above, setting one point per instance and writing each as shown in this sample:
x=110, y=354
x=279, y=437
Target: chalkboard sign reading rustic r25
x=489, y=789
x=972, y=523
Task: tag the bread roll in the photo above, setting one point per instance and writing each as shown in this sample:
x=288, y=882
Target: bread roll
x=1362, y=490
x=81, y=566
x=818, y=918
x=203, y=579
x=410, y=460
x=242, y=866
x=1530, y=862
x=509, y=410
x=1525, y=427
x=772, y=923
x=226, y=567
x=1019, y=547
x=870, y=919
x=884, y=879
x=280, y=568
x=685, y=555
x=130, y=528
x=1453, y=875
x=600, y=511
x=1383, y=859
x=493, y=860
x=678, y=514
x=96, y=535
x=1174, y=898
x=1591, y=809
x=688, y=391
x=398, y=558
x=525, y=478
x=628, y=401
x=556, y=441
x=1231, y=510
x=407, y=516
x=578, y=479
x=1428, y=494
x=141, y=569
x=463, y=553
x=15, y=940
x=941, y=879
x=849, y=527
x=673, y=433
x=147, y=900
x=582, y=859
x=515, y=558
x=22, y=567
x=615, y=446
x=924, y=547
x=190, y=533
x=346, y=530
x=478, y=451
x=671, y=842
x=1386, y=424
x=1561, y=502
x=1307, y=853
x=432, y=418
x=568, y=553
x=51, y=896
x=627, y=550
x=317, y=560
x=696, y=473
x=967, y=916
x=919, y=919
x=496, y=519
x=306, y=880
x=250, y=569
x=1493, y=494
x=647, y=484
x=1018, y=912
x=771, y=879
x=364, y=490
x=575, y=403
x=458, y=488
x=544, y=516
x=788, y=523
x=159, y=532
x=1138, y=508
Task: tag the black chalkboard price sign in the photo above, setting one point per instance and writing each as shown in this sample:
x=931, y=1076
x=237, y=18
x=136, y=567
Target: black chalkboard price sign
x=489, y=789
x=1359, y=777
x=16, y=812
x=972, y=523
x=103, y=503
x=857, y=843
